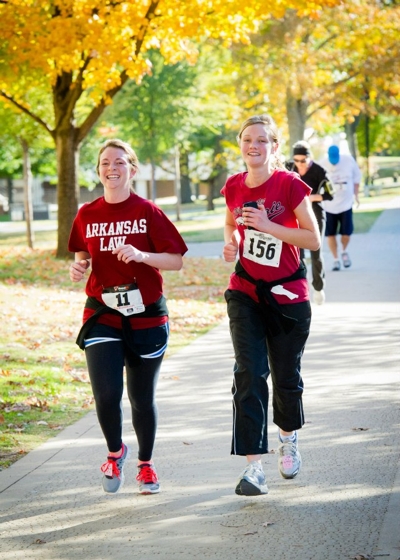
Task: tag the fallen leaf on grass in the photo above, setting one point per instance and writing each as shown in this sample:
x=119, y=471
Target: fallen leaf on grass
x=88, y=402
x=17, y=407
x=13, y=383
x=34, y=345
x=19, y=429
x=6, y=455
x=81, y=376
x=38, y=403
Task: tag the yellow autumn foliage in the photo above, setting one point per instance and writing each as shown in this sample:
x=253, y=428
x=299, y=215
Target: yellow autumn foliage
x=81, y=52
x=103, y=37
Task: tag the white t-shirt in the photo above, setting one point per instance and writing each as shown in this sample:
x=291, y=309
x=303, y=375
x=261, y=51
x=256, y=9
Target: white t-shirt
x=344, y=175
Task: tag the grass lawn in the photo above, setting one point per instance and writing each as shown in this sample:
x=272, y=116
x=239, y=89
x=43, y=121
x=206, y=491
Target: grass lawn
x=44, y=384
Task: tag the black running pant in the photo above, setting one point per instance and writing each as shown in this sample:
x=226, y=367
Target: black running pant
x=257, y=354
x=106, y=361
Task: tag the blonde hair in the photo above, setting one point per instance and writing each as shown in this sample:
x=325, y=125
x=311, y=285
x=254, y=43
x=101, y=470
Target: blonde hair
x=272, y=128
x=116, y=143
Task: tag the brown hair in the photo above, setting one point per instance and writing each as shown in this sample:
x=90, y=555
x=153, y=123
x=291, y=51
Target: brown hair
x=116, y=143
x=273, y=131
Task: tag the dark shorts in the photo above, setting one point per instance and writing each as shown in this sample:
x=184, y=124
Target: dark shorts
x=344, y=219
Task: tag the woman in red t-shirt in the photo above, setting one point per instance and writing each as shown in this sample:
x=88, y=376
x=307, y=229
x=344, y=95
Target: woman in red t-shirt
x=268, y=219
x=126, y=240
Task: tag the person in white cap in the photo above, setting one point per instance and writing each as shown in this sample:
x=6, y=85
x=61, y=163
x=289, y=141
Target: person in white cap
x=345, y=176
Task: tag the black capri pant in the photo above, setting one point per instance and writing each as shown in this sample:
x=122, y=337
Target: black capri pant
x=258, y=354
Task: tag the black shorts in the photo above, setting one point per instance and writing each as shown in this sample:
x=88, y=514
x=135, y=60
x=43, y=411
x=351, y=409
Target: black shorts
x=344, y=219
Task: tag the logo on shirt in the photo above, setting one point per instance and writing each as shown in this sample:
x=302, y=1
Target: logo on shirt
x=275, y=210
x=114, y=234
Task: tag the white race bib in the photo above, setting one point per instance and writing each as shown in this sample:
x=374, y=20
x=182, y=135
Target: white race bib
x=126, y=299
x=339, y=186
x=262, y=248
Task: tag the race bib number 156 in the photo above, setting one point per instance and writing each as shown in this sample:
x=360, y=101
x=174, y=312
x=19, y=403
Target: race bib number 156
x=262, y=248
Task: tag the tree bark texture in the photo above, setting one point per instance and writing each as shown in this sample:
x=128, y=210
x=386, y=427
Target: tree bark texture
x=296, y=110
x=68, y=188
x=350, y=130
x=28, y=193
x=186, y=189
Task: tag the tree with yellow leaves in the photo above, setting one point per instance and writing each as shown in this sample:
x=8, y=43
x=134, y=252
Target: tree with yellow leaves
x=82, y=52
x=343, y=62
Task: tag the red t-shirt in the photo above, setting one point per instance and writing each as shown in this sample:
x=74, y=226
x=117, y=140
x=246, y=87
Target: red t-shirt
x=100, y=227
x=261, y=255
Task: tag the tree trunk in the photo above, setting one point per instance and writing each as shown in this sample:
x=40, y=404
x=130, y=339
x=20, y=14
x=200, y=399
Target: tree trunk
x=186, y=190
x=178, y=183
x=153, y=184
x=68, y=188
x=10, y=191
x=210, y=196
x=350, y=130
x=296, y=111
x=218, y=175
x=28, y=193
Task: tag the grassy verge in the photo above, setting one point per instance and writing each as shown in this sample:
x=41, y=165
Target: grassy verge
x=44, y=384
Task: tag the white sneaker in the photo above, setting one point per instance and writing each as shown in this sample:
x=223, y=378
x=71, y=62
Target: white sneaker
x=346, y=259
x=289, y=459
x=252, y=481
x=113, y=471
x=319, y=297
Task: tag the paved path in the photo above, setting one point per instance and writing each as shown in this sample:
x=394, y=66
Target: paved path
x=345, y=502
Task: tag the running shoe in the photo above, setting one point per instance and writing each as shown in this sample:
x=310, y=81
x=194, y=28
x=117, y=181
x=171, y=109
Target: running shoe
x=319, y=297
x=336, y=265
x=252, y=481
x=346, y=260
x=289, y=458
x=113, y=471
x=147, y=478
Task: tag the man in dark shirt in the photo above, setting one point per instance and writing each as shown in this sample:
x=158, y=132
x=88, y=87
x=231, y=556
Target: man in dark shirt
x=315, y=177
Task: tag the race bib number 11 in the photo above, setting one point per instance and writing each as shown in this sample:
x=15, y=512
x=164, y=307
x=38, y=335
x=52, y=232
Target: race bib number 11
x=125, y=299
x=262, y=248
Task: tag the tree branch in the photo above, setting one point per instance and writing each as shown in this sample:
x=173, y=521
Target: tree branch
x=27, y=112
x=334, y=85
x=92, y=118
x=76, y=92
x=326, y=41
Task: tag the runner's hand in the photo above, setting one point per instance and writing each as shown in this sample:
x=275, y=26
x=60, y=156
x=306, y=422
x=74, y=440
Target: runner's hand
x=229, y=252
x=128, y=253
x=77, y=270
